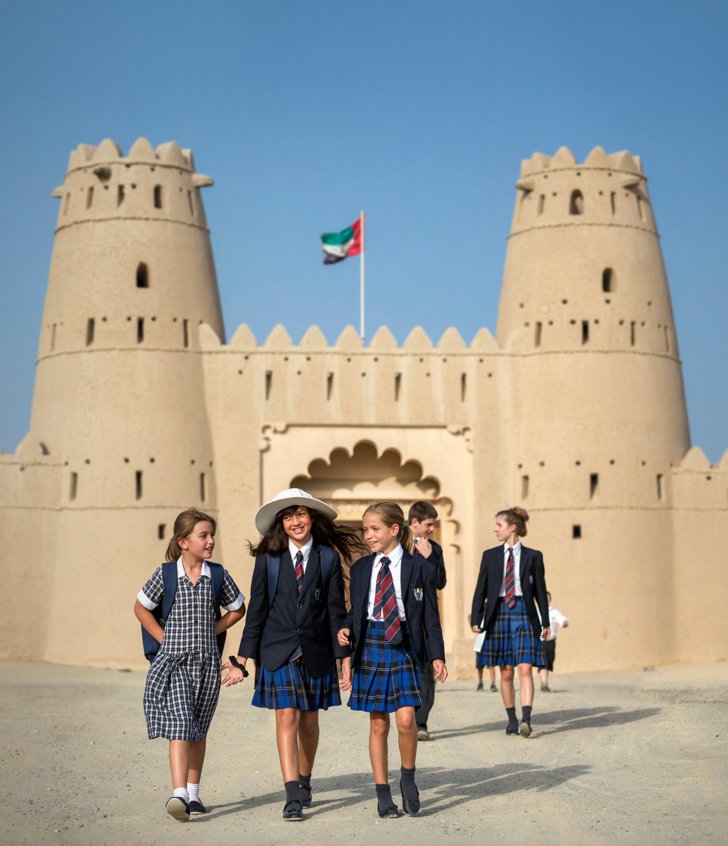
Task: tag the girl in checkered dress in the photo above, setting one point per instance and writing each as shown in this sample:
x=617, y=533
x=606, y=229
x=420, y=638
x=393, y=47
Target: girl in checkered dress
x=296, y=609
x=394, y=629
x=510, y=598
x=183, y=682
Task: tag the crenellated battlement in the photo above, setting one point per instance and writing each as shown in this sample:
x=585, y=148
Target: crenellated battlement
x=141, y=152
x=598, y=159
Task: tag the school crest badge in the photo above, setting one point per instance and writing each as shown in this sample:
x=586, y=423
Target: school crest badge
x=419, y=594
x=317, y=594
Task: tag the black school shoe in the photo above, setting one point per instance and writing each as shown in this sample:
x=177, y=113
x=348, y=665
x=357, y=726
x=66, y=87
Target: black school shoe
x=306, y=797
x=178, y=809
x=197, y=807
x=391, y=812
x=293, y=811
x=411, y=806
x=525, y=729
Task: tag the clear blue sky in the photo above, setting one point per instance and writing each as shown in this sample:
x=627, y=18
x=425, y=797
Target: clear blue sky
x=419, y=112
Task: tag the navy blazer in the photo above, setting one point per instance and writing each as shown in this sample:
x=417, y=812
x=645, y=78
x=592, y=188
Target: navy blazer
x=490, y=579
x=311, y=620
x=437, y=560
x=419, y=597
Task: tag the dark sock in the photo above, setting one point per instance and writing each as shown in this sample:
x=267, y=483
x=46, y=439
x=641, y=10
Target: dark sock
x=407, y=783
x=384, y=797
x=305, y=785
x=293, y=791
x=512, y=721
x=527, y=714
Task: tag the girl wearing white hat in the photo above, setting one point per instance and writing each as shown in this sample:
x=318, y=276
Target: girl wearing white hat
x=296, y=609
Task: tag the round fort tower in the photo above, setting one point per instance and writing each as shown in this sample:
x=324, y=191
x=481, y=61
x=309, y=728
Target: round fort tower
x=119, y=394
x=598, y=413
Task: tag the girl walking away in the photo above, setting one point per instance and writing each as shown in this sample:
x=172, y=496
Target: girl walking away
x=183, y=682
x=509, y=596
x=296, y=609
x=394, y=629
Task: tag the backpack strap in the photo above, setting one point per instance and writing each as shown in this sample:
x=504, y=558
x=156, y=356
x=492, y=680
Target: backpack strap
x=169, y=589
x=327, y=563
x=217, y=573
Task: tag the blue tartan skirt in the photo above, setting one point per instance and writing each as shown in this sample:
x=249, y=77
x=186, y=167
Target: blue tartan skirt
x=511, y=640
x=386, y=677
x=290, y=686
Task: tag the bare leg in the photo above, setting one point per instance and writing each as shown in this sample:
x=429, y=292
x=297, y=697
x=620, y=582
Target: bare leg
x=480, y=673
x=491, y=674
x=378, y=732
x=196, y=760
x=525, y=677
x=508, y=690
x=287, y=722
x=308, y=739
x=407, y=735
x=179, y=762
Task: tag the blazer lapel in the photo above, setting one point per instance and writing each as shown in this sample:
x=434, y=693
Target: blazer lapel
x=525, y=562
x=366, y=576
x=313, y=565
x=408, y=563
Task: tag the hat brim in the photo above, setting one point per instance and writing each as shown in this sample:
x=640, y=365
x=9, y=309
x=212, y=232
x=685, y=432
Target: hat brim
x=266, y=514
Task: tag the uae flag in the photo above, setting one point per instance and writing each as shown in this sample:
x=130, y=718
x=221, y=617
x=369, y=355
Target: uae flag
x=340, y=245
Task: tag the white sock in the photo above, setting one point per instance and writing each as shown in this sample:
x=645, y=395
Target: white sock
x=181, y=793
x=194, y=791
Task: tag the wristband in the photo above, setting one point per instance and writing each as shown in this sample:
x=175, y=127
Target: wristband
x=238, y=666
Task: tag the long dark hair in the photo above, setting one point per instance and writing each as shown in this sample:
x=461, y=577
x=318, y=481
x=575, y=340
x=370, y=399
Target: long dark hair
x=324, y=531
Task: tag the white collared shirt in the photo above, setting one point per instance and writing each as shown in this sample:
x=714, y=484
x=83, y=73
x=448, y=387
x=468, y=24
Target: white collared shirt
x=305, y=549
x=395, y=568
x=516, y=568
x=151, y=599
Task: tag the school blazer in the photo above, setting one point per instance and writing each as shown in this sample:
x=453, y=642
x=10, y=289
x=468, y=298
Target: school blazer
x=311, y=620
x=437, y=559
x=420, y=607
x=490, y=579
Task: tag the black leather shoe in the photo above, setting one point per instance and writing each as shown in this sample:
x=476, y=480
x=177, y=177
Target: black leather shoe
x=391, y=812
x=306, y=796
x=525, y=729
x=197, y=807
x=292, y=811
x=411, y=806
x=511, y=730
x=178, y=808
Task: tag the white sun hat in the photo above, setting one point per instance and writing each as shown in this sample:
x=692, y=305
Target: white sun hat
x=266, y=514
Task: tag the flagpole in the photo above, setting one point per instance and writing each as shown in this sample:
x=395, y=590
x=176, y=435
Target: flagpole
x=363, y=278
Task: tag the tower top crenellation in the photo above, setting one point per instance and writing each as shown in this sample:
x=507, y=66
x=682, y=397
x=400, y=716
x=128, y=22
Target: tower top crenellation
x=141, y=152
x=598, y=159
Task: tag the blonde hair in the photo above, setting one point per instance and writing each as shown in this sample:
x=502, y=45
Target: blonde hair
x=392, y=515
x=183, y=527
x=517, y=517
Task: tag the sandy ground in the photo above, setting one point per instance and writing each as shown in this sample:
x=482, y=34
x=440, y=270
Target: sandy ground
x=627, y=757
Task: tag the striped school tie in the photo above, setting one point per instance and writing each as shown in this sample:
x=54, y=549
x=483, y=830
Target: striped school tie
x=385, y=603
x=299, y=571
x=510, y=596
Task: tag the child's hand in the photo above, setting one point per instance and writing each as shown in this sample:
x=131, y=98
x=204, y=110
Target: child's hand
x=343, y=637
x=476, y=629
x=345, y=683
x=440, y=669
x=236, y=671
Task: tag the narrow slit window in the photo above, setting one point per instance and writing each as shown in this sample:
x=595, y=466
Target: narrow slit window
x=397, y=385
x=668, y=345
x=90, y=328
x=576, y=531
x=593, y=485
x=90, y=197
x=66, y=204
x=161, y=531
x=660, y=487
x=119, y=195
x=203, y=486
x=537, y=333
x=140, y=330
x=463, y=386
x=641, y=208
x=268, y=383
x=576, y=203
x=608, y=286
x=74, y=486
x=53, y=336
x=142, y=275
x=584, y=331
x=613, y=201
x=157, y=196
x=138, y=484
x=329, y=385
x=632, y=333
x=191, y=202
x=524, y=486
x=186, y=332
x=541, y=204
